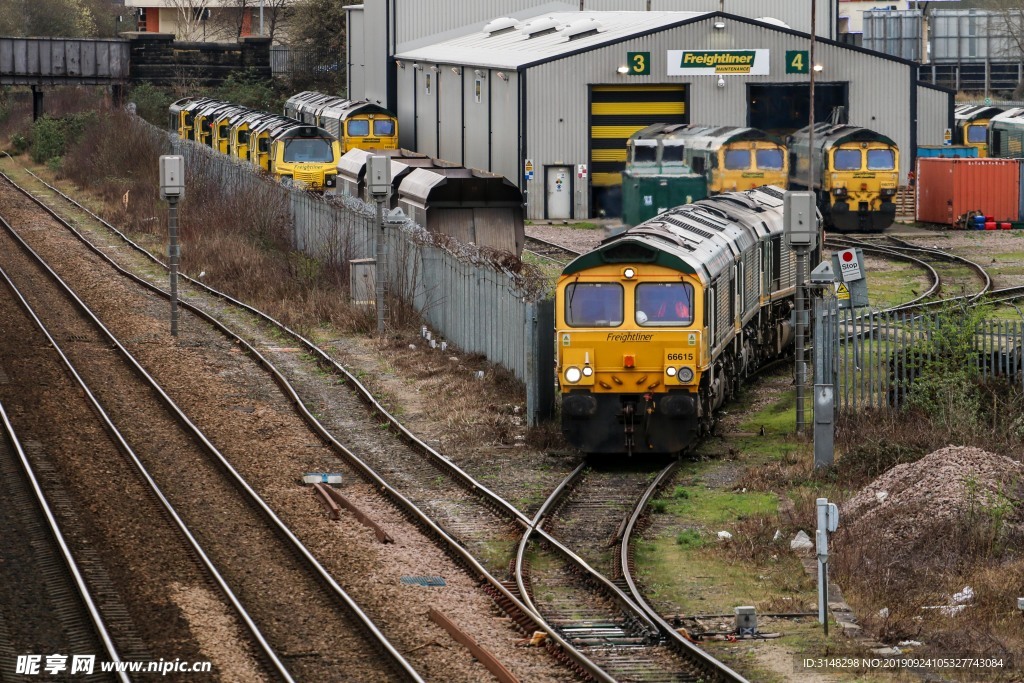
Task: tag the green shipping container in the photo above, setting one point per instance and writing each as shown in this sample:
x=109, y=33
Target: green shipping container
x=644, y=196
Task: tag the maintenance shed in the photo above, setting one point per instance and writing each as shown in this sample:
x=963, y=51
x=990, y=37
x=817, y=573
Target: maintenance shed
x=549, y=101
x=377, y=30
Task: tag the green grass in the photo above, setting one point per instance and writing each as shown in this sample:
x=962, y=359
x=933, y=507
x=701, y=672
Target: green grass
x=709, y=508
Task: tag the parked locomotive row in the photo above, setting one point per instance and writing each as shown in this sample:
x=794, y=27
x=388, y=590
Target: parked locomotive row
x=855, y=170
x=454, y=518
x=301, y=147
x=328, y=621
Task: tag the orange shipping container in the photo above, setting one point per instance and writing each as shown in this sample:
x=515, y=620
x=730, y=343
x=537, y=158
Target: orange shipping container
x=949, y=188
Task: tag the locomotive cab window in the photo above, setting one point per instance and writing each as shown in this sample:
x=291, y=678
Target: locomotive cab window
x=737, y=159
x=359, y=128
x=672, y=154
x=382, y=127
x=847, y=160
x=597, y=304
x=664, y=303
x=881, y=160
x=645, y=153
x=308, y=150
x=976, y=134
x=769, y=159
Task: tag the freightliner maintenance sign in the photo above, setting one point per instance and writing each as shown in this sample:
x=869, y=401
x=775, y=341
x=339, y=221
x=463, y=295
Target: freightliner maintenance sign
x=717, y=62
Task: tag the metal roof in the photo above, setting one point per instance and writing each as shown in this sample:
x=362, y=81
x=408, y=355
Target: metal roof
x=543, y=37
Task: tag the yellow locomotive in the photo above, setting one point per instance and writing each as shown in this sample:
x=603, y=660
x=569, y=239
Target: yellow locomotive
x=856, y=175
x=358, y=124
x=294, y=153
x=662, y=323
x=972, y=124
x=732, y=157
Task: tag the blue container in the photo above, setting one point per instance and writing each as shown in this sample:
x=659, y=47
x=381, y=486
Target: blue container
x=979, y=222
x=948, y=151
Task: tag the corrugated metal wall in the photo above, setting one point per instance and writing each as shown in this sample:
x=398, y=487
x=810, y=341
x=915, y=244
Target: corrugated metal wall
x=355, y=34
x=970, y=36
x=375, y=51
x=427, y=123
x=477, y=118
x=450, y=96
x=505, y=125
x=896, y=33
x=406, y=110
x=932, y=115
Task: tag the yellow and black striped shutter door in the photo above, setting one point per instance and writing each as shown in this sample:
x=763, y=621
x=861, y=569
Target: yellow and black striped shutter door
x=618, y=111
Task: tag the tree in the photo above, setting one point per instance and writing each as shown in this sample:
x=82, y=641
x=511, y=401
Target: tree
x=69, y=18
x=191, y=17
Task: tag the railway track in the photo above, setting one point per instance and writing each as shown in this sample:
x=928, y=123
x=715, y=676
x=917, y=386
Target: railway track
x=46, y=605
x=474, y=524
x=323, y=635
x=923, y=257
x=594, y=512
x=550, y=251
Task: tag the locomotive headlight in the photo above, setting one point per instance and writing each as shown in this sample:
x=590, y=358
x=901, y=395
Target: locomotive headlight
x=671, y=372
x=685, y=375
x=573, y=375
x=587, y=371
x=839, y=191
x=629, y=273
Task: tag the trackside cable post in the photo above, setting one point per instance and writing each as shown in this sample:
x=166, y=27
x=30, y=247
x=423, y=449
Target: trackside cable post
x=172, y=188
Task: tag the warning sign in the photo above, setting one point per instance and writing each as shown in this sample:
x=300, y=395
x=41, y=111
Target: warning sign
x=565, y=339
x=528, y=169
x=842, y=291
x=581, y=171
x=849, y=265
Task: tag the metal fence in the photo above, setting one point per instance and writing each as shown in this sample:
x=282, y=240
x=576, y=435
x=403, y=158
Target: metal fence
x=314, y=61
x=876, y=357
x=473, y=301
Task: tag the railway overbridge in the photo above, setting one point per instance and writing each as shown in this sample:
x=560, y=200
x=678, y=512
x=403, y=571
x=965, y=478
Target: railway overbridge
x=118, y=62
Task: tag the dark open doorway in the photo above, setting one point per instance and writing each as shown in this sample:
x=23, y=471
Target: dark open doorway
x=781, y=108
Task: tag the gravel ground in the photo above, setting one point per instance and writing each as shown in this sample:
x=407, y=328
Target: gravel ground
x=913, y=500
x=244, y=402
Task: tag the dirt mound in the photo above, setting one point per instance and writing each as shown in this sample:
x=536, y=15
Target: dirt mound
x=916, y=499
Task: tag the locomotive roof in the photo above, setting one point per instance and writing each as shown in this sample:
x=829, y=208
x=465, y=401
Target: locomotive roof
x=1011, y=117
x=700, y=136
x=331, y=105
x=701, y=239
x=828, y=135
x=971, y=112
